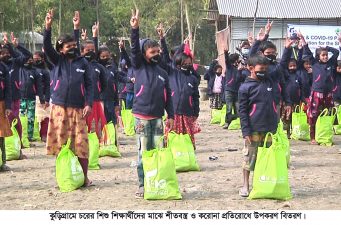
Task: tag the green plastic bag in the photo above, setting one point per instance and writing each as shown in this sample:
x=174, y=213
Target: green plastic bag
x=215, y=116
x=270, y=179
x=300, y=126
x=183, y=152
x=235, y=124
x=93, y=151
x=69, y=172
x=13, y=144
x=282, y=138
x=160, y=180
x=324, y=127
x=108, y=147
x=24, y=137
x=36, y=133
x=222, y=115
x=337, y=128
x=128, y=121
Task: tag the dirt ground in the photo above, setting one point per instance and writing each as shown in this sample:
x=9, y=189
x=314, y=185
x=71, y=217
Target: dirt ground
x=314, y=178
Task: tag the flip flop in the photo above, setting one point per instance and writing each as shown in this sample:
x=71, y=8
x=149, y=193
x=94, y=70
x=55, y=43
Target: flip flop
x=140, y=193
x=243, y=194
x=89, y=184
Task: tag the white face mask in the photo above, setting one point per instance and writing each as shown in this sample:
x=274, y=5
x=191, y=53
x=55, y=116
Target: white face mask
x=245, y=51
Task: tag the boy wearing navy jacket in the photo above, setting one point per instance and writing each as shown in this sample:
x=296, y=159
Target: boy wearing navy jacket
x=232, y=82
x=30, y=86
x=257, y=111
x=152, y=95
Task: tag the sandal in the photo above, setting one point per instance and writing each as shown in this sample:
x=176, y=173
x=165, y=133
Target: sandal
x=88, y=184
x=243, y=194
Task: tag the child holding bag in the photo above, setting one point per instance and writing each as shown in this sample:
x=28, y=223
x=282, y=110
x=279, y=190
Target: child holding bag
x=72, y=97
x=152, y=95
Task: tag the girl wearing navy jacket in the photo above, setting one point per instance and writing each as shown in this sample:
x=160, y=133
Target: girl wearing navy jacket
x=72, y=97
x=89, y=52
x=293, y=87
x=322, y=87
x=337, y=85
x=152, y=95
x=43, y=113
x=5, y=111
x=14, y=60
x=185, y=93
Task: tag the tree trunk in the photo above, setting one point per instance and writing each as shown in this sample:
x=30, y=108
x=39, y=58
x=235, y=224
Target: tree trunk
x=60, y=18
x=189, y=28
x=32, y=26
x=182, y=19
x=97, y=17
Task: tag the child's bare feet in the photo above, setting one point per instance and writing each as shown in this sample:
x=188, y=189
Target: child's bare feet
x=313, y=142
x=244, y=192
x=88, y=183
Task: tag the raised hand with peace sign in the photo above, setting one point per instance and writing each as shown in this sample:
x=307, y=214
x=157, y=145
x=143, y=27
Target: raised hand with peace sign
x=134, y=21
x=49, y=19
x=160, y=30
x=95, y=29
x=76, y=20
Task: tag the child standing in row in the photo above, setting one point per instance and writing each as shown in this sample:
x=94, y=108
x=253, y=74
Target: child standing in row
x=5, y=111
x=72, y=97
x=152, y=95
x=321, y=91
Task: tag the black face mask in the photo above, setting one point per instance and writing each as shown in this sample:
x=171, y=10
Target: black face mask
x=71, y=53
x=90, y=56
x=155, y=59
x=292, y=70
x=186, y=68
x=28, y=65
x=261, y=74
x=104, y=62
x=338, y=73
x=6, y=59
x=39, y=63
x=218, y=74
x=271, y=58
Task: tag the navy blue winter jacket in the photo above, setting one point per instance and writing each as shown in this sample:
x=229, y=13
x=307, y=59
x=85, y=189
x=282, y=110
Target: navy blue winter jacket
x=257, y=106
x=337, y=87
x=323, y=72
x=18, y=60
x=5, y=86
x=233, y=78
x=71, y=80
x=45, y=77
x=151, y=88
x=31, y=84
x=99, y=79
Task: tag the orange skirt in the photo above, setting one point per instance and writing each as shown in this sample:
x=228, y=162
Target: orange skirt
x=65, y=123
x=5, y=128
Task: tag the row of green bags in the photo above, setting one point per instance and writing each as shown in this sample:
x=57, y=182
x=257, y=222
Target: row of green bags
x=182, y=149
x=270, y=179
x=300, y=126
x=128, y=121
x=324, y=127
x=218, y=117
x=160, y=180
x=69, y=172
x=13, y=143
x=109, y=145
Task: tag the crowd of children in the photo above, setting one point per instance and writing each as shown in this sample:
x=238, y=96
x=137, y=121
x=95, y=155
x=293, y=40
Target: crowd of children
x=86, y=88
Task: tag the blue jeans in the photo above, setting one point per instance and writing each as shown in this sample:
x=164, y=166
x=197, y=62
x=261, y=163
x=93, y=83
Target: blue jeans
x=129, y=100
x=109, y=111
x=148, y=133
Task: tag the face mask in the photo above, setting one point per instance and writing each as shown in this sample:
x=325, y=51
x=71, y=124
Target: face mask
x=292, y=70
x=294, y=45
x=104, y=62
x=71, y=53
x=271, y=58
x=39, y=63
x=28, y=65
x=186, y=68
x=218, y=74
x=6, y=59
x=261, y=74
x=155, y=59
x=245, y=51
x=90, y=56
